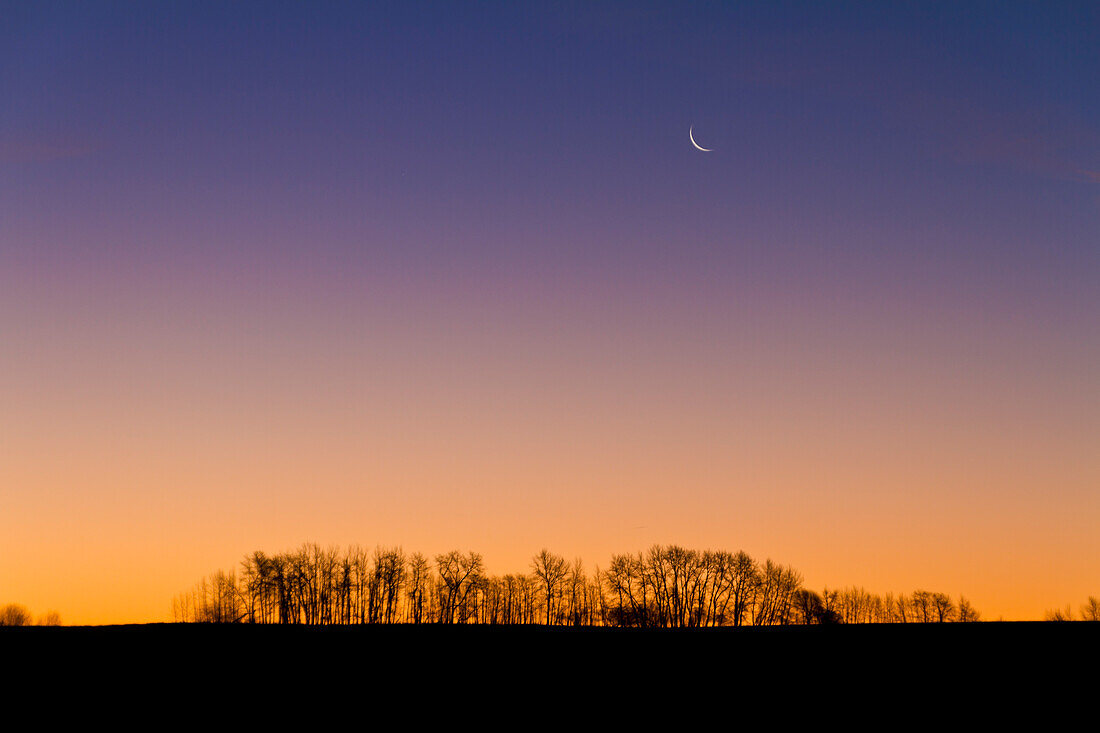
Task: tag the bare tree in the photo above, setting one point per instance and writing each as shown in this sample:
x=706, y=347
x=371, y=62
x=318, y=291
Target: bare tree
x=50, y=618
x=943, y=608
x=417, y=592
x=807, y=607
x=14, y=614
x=550, y=570
x=966, y=613
x=457, y=573
x=1059, y=614
x=745, y=580
x=775, y=594
x=580, y=601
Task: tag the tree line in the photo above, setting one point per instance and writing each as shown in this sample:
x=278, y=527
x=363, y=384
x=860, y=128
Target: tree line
x=663, y=587
x=1090, y=611
x=15, y=614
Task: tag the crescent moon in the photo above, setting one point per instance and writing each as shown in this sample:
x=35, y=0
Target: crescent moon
x=697, y=146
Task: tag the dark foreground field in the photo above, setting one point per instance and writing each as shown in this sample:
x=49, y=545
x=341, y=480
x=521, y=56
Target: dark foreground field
x=879, y=646
x=633, y=673
x=1000, y=638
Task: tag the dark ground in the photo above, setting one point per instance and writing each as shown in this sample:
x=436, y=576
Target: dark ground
x=992, y=644
x=909, y=670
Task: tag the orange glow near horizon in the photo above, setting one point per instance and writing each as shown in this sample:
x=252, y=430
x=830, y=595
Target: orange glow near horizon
x=138, y=468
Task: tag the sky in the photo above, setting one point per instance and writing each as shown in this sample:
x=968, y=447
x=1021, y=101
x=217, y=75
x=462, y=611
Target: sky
x=452, y=276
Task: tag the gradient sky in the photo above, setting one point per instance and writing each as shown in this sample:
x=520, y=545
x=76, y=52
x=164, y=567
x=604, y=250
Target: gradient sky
x=452, y=276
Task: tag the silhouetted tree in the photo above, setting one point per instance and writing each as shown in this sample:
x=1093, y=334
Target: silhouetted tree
x=807, y=607
x=418, y=588
x=966, y=612
x=14, y=614
x=1058, y=614
x=458, y=574
x=775, y=594
x=50, y=618
x=550, y=570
